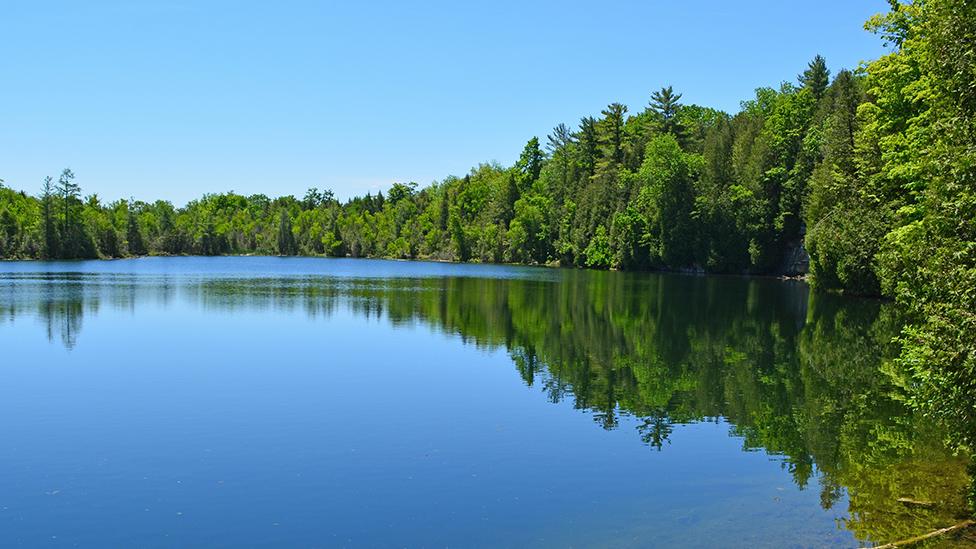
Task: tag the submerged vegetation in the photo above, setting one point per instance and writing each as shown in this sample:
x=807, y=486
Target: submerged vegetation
x=871, y=173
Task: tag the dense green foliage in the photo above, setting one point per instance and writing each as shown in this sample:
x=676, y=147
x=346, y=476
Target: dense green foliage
x=873, y=173
x=924, y=117
x=677, y=187
x=838, y=165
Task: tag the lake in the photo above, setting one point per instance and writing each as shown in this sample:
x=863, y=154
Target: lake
x=304, y=402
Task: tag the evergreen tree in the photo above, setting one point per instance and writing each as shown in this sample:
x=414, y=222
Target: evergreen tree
x=664, y=104
x=816, y=77
x=69, y=192
x=610, y=134
x=74, y=241
x=559, y=139
x=51, y=240
x=586, y=136
x=844, y=228
x=313, y=199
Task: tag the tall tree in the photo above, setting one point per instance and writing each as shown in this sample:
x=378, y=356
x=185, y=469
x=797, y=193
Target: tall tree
x=816, y=77
x=69, y=192
x=586, y=136
x=667, y=201
x=74, y=241
x=560, y=138
x=664, y=104
x=401, y=191
x=529, y=165
x=313, y=199
x=51, y=248
x=611, y=133
x=845, y=224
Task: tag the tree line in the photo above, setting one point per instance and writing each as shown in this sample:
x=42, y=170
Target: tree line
x=870, y=176
x=672, y=187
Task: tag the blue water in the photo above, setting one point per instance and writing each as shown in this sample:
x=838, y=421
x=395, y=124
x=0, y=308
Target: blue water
x=175, y=402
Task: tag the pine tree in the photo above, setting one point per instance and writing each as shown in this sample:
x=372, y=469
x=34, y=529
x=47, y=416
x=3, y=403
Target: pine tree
x=816, y=77
x=611, y=133
x=664, y=104
x=843, y=97
x=51, y=248
x=70, y=193
x=587, y=139
x=559, y=139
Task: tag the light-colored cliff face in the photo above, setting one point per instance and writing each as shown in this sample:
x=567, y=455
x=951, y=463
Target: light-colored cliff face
x=796, y=261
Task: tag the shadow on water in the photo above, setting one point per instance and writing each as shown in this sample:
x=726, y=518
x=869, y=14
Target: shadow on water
x=805, y=377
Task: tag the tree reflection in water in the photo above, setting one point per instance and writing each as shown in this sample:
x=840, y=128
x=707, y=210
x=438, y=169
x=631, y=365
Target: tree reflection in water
x=804, y=376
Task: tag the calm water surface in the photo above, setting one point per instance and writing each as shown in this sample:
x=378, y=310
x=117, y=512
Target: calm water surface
x=330, y=402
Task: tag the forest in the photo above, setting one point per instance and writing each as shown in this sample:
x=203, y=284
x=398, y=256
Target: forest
x=865, y=178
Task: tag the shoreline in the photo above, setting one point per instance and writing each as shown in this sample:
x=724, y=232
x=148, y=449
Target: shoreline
x=804, y=277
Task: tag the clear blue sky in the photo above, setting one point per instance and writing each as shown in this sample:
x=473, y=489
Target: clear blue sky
x=170, y=99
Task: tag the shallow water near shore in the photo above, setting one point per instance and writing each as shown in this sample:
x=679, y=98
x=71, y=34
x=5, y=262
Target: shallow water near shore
x=261, y=401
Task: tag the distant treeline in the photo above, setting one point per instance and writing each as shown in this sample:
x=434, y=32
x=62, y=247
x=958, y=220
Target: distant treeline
x=873, y=173
x=678, y=187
